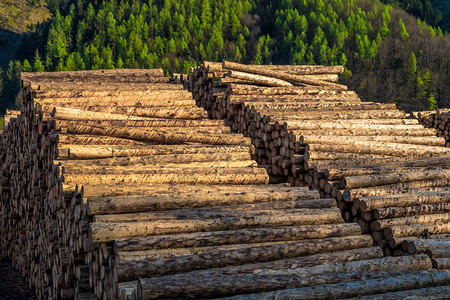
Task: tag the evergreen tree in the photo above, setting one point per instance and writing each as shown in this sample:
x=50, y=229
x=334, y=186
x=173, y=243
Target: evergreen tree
x=26, y=67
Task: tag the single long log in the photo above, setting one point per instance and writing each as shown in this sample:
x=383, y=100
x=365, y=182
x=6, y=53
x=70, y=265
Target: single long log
x=399, y=188
x=432, y=293
x=416, y=229
x=366, y=147
x=125, y=113
x=258, y=79
x=370, y=114
x=174, y=93
x=167, y=168
x=389, y=167
x=117, y=101
x=158, y=159
x=214, y=176
x=303, y=69
x=420, y=219
x=395, y=212
x=362, y=132
x=423, y=140
x=108, y=205
x=142, y=269
x=85, y=139
x=90, y=152
x=102, y=232
x=383, y=179
x=63, y=113
x=182, y=112
x=296, y=262
x=150, y=122
x=220, y=213
x=166, y=136
x=370, y=203
x=206, y=286
x=256, y=235
x=133, y=190
x=358, y=288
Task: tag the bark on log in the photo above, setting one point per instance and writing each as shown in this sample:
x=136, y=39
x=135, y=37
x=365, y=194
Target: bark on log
x=258, y=79
x=110, y=205
x=358, y=288
x=187, y=287
x=281, y=75
x=376, y=180
x=103, y=232
x=420, y=219
x=370, y=203
x=161, y=135
x=91, y=152
x=215, y=176
x=256, y=235
x=142, y=269
x=434, y=293
x=416, y=229
x=395, y=212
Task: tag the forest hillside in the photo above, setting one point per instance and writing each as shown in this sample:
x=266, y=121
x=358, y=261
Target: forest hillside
x=389, y=55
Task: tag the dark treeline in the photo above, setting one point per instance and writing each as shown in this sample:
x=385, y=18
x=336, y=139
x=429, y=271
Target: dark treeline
x=389, y=55
x=422, y=9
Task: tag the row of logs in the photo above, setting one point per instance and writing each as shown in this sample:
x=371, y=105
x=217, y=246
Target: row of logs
x=326, y=138
x=116, y=186
x=439, y=119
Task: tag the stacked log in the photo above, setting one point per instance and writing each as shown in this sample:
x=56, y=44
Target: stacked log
x=11, y=114
x=116, y=186
x=313, y=132
x=438, y=119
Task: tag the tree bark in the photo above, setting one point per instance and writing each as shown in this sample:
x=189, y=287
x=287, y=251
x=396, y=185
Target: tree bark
x=256, y=235
x=142, y=269
x=110, y=205
x=258, y=79
x=104, y=232
x=358, y=288
x=375, y=180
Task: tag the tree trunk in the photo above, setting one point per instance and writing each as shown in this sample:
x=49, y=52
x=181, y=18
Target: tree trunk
x=256, y=235
x=383, y=179
x=142, y=269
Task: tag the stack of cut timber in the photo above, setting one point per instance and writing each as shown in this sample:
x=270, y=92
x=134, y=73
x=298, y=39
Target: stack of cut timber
x=438, y=119
x=314, y=132
x=119, y=187
x=11, y=114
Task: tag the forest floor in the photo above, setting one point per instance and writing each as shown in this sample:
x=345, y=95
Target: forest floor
x=12, y=285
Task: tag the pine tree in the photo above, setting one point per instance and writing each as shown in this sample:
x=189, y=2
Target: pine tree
x=26, y=66
x=404, y=35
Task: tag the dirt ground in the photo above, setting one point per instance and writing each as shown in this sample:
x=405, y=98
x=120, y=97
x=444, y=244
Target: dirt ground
x=12, y=285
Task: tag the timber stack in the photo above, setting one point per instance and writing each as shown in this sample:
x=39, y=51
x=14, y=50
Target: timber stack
x=314, y=132
x=438, y=119
x=116, y=186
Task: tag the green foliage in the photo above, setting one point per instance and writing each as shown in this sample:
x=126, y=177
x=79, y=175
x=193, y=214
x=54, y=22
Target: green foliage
x=172, y=34
x=404, y=35
x=38, y=66
x=422, y=9
x=26, y=67
x=2, y=123
x=411, y=68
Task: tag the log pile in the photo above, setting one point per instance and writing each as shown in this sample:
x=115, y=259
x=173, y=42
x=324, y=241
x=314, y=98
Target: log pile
x=438, y=119
x=116, y=186
x=314, y=132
